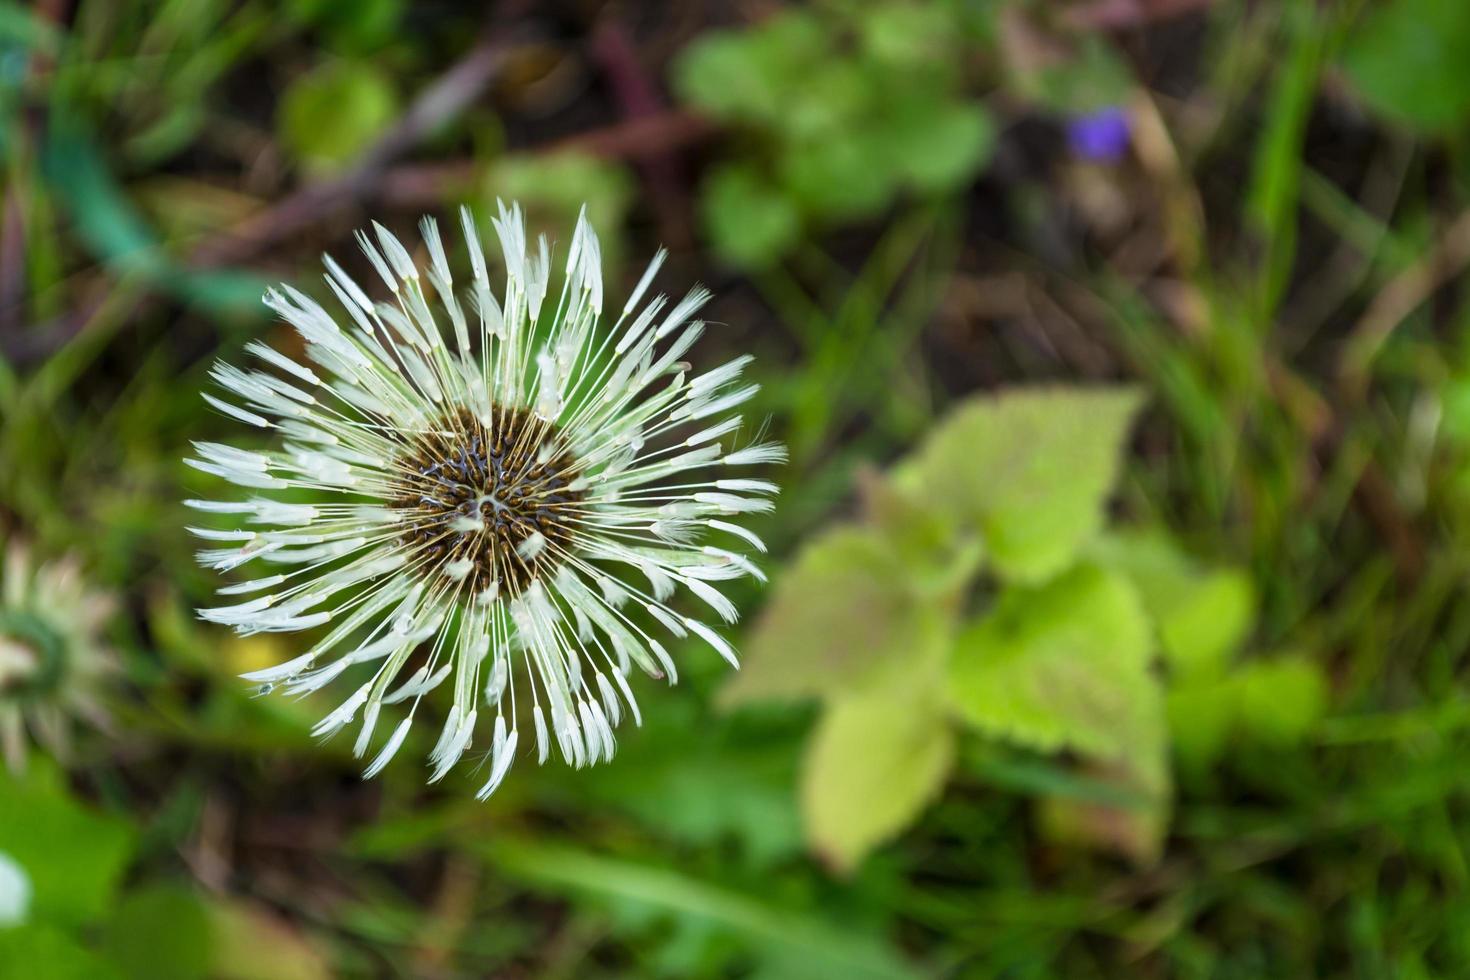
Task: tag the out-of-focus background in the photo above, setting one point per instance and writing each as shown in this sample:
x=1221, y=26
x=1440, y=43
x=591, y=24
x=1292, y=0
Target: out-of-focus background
x=1117, y=619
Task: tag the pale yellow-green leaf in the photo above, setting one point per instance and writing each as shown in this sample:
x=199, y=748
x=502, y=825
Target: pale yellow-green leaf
x=1210, y=622
x=1202, y=616
x=939, y=556
x=1031, y=469
x=842, y=612
x=1281, y=699
x=1202, y=716
x=872, y=765
x=1062, y=665
x=1273, y=702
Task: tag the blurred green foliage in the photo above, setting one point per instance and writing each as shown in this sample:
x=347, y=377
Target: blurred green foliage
x=844, y=107
x=81, y=922
x=1099, y=645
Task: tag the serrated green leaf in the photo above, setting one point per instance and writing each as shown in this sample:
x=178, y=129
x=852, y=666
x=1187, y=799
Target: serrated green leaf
x=1210, y=621
x=939, y=557
x=872, y=765
x=330, y=115
x=1030, y=469
x=74, y=856
x=1202, y=616
x=843, y=612
x=751, y=223
x=1411, y=61
x=1063, y=665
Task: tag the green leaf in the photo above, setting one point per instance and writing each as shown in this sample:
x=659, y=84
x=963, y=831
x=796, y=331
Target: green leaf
x=47, y=951
x=1273, y=702
x=752, y=75
x=836, y=99
x=1210, y=621
x=159, y=933
x=331, y=114
x=1063, y=665
x=718, y=73
x=844, y=610
x=751, y=223
x=940, y=146
x=939, y=558
x=1202, y=717
x=872, y=765
x=73, y=855
x=837, y=176
x=908, y=35
x=1411, y=61
x=1202, y=617
x=1030, y=469
x=1281, y=699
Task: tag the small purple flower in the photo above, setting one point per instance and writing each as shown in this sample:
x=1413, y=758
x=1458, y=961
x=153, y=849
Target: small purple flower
x=1100, y=136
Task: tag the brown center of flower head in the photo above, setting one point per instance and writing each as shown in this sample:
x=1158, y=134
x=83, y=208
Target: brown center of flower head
x=490, y=496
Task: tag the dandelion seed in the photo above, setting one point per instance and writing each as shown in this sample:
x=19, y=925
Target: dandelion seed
x=480, y=484
x=52, y=661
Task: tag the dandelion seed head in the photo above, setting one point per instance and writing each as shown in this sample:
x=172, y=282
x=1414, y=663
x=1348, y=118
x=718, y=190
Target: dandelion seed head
x=52, y=660
x=497, y=499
